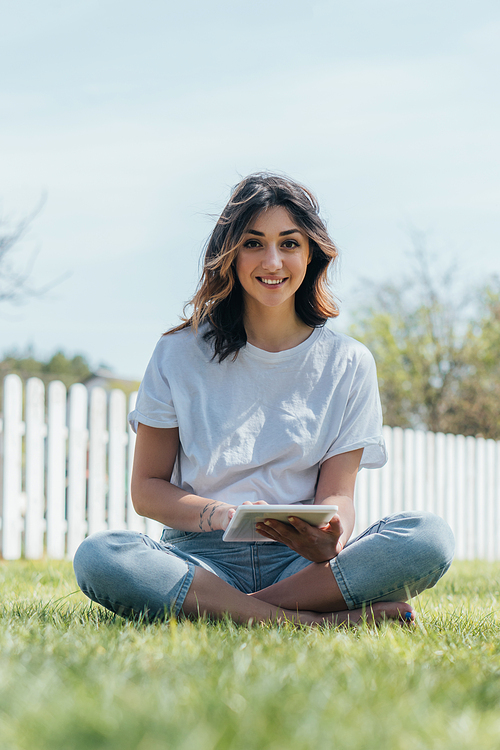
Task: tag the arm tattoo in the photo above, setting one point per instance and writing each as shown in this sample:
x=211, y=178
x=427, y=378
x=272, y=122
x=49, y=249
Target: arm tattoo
x=209, y=521
x=213, y=504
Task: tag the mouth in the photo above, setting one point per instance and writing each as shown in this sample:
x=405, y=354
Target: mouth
x=274, y=283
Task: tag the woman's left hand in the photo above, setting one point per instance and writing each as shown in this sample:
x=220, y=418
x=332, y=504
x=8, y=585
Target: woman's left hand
x=316, y=544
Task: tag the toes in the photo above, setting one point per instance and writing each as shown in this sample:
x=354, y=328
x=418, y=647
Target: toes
x=400, y=611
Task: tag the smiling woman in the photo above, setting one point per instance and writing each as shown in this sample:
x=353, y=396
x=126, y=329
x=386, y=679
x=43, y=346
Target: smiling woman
x=273, y=259
x=263, y=207
x=289, y=418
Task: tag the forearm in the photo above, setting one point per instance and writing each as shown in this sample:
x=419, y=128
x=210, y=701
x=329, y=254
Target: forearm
x=159, y=499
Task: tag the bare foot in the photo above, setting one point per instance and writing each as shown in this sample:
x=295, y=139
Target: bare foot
x=373, y=613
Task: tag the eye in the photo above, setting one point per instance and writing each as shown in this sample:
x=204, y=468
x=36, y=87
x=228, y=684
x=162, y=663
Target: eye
x=290, y=244
x=251, y=244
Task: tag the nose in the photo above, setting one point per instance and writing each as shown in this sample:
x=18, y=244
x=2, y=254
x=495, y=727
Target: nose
x=272, y=259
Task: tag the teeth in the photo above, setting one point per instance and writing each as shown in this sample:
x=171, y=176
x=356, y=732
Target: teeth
x=272, y=281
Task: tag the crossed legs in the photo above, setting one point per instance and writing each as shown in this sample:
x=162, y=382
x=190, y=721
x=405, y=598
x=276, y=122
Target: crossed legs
x=376, y=574
x=309, y=597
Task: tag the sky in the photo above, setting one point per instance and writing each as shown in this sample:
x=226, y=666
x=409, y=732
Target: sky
x=131, y=121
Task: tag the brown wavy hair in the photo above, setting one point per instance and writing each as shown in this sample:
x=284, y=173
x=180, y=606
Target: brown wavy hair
x=219, y=299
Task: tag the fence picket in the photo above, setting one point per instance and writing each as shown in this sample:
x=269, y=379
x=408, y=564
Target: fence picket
x=374, y=480
x=13, y=429
x=36, y=431
x=491, y=500
x=461, y=500
x=153, y=528
x=77, y=466
x=386, y=503
x=430, y=471
x=408, y=502
x=496, y=509
x=134, y=520
x=449, y=489
x=439, y=472
x=117, y=447
x=56, y=470
x=471, y=525
x=420, y=470
x=361, y=502
x=397, y=459
x=97, y=461
x=480, y=495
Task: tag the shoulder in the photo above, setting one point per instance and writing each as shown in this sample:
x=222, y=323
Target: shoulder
x=185, y=344
x=340, y=347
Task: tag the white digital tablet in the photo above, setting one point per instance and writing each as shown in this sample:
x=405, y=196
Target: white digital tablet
x=241, y=527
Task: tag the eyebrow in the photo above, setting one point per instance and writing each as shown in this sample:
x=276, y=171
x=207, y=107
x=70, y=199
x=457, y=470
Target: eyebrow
x=281, y=234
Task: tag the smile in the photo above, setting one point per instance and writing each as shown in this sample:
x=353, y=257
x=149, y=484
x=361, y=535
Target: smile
x=271, y=282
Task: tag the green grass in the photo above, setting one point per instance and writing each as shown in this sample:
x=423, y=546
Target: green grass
x=72, y=676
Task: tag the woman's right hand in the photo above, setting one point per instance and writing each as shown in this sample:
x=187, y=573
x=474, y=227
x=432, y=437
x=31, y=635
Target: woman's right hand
x=222, y=516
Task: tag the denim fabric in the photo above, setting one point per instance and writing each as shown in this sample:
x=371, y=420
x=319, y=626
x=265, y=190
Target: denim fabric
x=394, y=559
x=129, y=573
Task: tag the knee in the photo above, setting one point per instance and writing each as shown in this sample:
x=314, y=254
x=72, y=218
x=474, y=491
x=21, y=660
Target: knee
x=95, y=555
x=431, y=538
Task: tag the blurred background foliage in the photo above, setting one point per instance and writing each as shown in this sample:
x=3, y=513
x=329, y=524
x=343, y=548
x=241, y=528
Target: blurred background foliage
x=56, y=367
x=436, y=341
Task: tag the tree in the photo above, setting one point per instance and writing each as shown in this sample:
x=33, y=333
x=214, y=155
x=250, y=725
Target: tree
x=15, y=286
x=14, y=283
x=474, y=406
x=436, y=350
x=58, y=367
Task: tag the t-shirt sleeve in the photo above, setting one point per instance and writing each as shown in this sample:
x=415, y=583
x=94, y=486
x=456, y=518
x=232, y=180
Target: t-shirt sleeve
x=361, y=425
x=154, y=406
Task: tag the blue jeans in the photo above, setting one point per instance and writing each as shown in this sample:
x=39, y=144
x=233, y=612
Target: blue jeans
x=130, y=573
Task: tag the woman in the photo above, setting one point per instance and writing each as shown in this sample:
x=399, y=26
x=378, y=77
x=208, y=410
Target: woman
x=253, y=400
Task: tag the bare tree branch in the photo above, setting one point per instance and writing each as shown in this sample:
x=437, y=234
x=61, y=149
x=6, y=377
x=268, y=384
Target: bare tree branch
x=15, y=286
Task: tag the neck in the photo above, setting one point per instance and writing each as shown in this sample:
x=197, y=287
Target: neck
x=274, y=329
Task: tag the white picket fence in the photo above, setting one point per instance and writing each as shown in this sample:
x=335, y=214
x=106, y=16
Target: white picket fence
x=65, y=467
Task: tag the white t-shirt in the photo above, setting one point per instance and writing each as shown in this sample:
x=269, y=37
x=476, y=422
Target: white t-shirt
x=259, y=427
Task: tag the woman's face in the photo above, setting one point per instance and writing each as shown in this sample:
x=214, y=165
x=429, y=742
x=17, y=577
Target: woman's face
x=273, y=258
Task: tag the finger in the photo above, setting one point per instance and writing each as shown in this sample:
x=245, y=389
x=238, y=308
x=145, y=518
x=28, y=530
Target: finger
x=303, y=530
x=276, y=528
x=283, y=532
x=266, y=531
x=260, y=502
x=335, y=521
x=299, y=524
